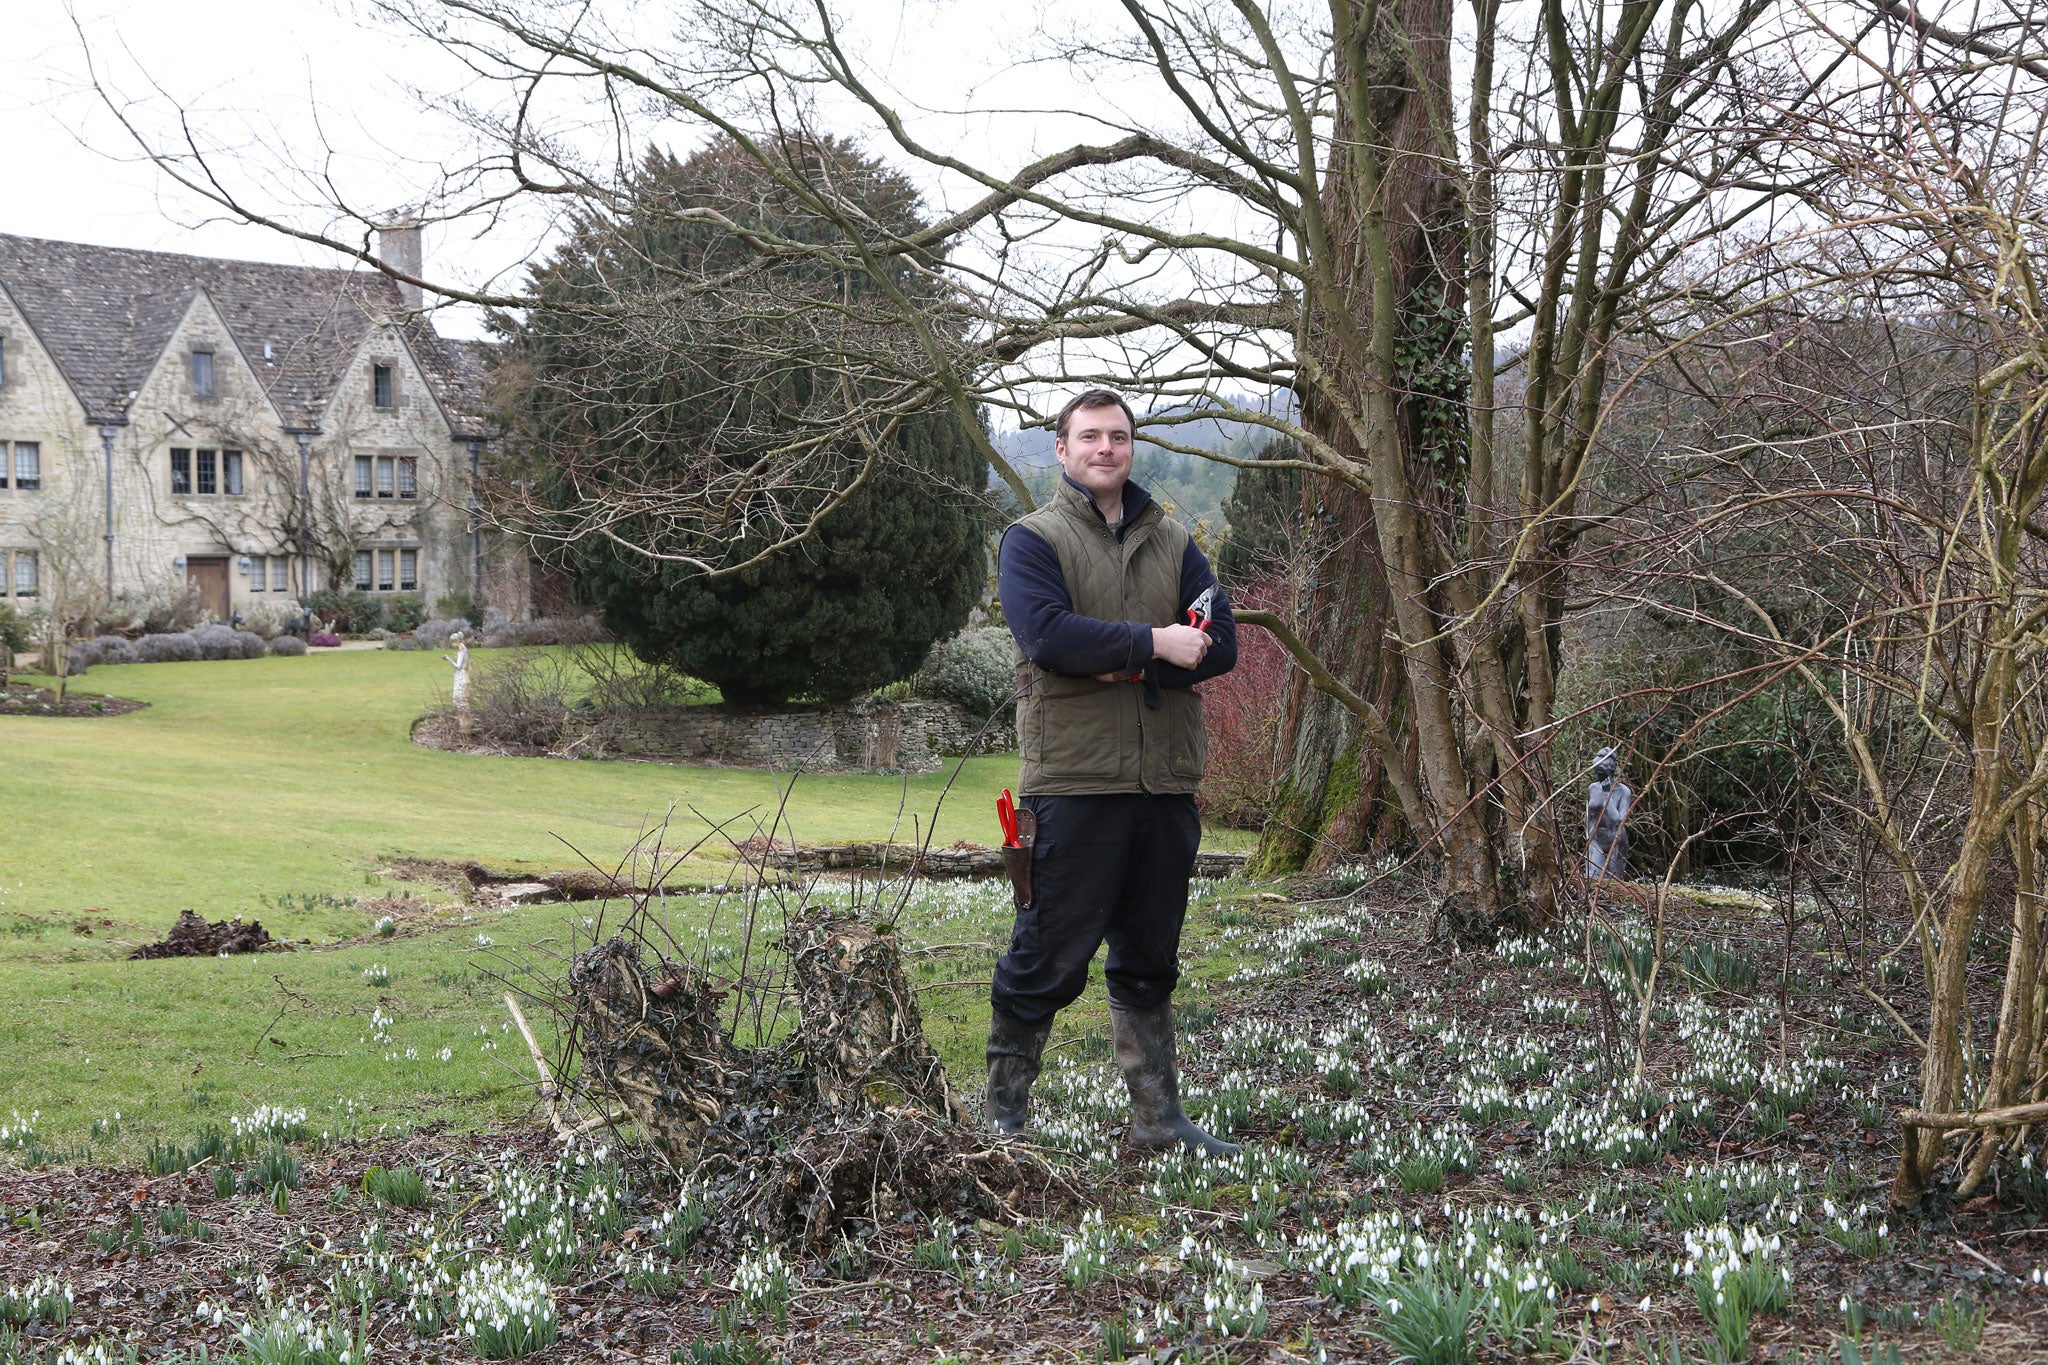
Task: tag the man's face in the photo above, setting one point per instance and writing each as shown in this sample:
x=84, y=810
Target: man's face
x=1096, y=451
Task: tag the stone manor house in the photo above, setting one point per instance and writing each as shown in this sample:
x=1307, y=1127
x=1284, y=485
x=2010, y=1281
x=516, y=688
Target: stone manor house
x=254, y=430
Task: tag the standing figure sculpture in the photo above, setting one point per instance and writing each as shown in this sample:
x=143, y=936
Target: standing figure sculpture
x=1607, y=804
x=461, y=692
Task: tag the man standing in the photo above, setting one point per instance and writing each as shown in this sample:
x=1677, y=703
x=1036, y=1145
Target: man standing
x=1097, y=586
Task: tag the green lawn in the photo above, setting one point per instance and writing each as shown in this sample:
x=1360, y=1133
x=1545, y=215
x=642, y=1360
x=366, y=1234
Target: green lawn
x=277, y=788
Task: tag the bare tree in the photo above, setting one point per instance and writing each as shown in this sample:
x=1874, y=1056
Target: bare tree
x=71, y=579
x=1867, y=524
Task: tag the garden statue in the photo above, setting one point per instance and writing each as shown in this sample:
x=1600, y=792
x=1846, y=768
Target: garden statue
x=461, y=692
x=1607, y=804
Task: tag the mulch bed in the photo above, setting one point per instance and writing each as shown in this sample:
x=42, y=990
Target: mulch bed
x=150, y=1294
x=20, y=699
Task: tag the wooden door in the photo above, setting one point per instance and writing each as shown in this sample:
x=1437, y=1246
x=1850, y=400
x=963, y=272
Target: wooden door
x=209, y=573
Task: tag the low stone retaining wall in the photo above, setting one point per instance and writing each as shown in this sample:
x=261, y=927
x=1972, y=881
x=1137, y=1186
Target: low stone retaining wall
x=865, y=737
x=959, y=860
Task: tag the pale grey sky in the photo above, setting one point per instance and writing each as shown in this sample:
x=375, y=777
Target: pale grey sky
x=251, y=74
x=62, y=159
x=280, y=88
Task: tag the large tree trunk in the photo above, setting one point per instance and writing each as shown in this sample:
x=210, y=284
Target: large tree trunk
x=1333, y=804
x=1389, y=338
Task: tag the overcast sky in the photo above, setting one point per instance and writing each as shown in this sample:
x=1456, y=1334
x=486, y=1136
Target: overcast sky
x=63, y=161
x=328, y=86
x=251, y=74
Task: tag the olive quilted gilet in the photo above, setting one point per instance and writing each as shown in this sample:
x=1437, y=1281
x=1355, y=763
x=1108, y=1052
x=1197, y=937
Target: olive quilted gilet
x=1080, y=736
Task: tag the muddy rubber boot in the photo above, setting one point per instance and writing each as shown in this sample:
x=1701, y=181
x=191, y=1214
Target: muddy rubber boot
x=1014, y=1051
x=1144, y=1052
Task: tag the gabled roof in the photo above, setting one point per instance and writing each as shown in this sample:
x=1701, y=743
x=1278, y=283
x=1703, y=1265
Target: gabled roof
x=105, y=314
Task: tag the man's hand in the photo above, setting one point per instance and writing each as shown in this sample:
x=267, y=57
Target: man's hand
x=1182, y=646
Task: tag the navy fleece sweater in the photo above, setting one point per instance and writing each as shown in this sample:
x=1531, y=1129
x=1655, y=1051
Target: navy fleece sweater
x=1060, y=640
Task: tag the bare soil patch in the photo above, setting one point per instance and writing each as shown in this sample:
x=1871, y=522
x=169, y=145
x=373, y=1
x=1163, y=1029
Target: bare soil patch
x=463, y=877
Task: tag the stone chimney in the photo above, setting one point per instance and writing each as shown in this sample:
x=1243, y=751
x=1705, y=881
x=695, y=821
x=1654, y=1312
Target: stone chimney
x=398, y=246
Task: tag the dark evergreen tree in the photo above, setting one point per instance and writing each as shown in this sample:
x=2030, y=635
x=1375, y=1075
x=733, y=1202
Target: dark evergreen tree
x=1264, y=516
x=711, y=397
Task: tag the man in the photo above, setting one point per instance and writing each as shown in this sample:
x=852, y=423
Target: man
x=1096, y=586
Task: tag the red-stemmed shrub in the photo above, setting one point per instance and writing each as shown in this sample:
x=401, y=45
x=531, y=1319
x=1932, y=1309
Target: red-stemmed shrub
x=1243, y=709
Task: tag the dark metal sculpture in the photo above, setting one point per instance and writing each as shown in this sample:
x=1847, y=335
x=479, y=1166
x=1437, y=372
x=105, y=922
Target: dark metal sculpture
x=1607, y=804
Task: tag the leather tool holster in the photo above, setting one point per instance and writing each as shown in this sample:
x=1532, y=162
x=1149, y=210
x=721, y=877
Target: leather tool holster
x=1018, y=859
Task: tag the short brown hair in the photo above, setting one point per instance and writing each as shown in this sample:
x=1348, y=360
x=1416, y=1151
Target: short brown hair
x=1093, y=398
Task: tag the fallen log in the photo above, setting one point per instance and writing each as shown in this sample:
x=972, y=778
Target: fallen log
x=959, y=860
x=2010, y=1117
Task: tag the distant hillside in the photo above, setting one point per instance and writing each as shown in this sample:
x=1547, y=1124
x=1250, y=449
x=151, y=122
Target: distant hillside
x=1193, y=488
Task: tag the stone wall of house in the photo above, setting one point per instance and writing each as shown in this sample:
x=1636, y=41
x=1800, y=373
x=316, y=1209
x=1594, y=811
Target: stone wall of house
x=866, y=737
x=37, y=405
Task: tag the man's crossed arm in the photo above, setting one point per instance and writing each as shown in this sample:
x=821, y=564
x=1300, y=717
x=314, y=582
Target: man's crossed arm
x=1059, y=639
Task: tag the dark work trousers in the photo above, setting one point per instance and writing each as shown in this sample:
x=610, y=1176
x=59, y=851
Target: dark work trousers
x=1109, y=867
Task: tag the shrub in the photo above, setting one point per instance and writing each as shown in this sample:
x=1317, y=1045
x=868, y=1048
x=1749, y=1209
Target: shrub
x=401, y=614
x=79, y=655
x=289, y=646
x=439, y=632
x=16, y=634
x=251, y=645
x=167, y=649
x=269, y=619
x=352, y=612
x=325, y=639
x=621, y=681
x=973, y=669
x=1244, y=709
x=165, y=606
x=113, y=649
x=499, y=633
x=217, y=642
x=458, y=605
x=523, y=702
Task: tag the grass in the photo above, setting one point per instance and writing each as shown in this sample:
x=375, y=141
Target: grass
x=294, y=777
x=279, y=789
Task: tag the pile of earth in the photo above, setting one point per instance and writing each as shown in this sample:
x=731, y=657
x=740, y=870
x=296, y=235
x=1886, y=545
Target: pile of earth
x=192, y=936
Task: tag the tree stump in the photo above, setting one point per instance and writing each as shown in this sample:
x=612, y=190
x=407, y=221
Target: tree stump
x=847, y=1118
x=862, y=1034
x=656, y=1047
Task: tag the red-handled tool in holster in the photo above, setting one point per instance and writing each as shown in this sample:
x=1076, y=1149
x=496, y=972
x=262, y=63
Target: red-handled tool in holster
x=1020, y=833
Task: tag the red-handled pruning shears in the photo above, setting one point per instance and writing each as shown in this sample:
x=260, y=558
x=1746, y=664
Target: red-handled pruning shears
x=1006, y=811
x=1199, y=609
